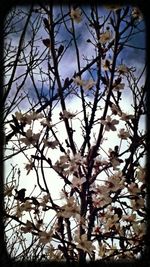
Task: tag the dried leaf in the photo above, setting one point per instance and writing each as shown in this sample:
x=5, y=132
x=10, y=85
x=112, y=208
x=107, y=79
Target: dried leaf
x=47, y=42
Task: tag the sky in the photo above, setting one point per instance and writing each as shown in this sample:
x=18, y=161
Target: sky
x=130, y=56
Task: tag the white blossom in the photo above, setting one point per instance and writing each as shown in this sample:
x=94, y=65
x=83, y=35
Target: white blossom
x=27, y=228
x=123, y=134
x=76, y=14
x=69, y=209
x=105, y=37
x=109, y=124
x=45, y=237
x=84, y=244
x=51, y=144
x=87, y=84
x=30, y=138
x=77, y=182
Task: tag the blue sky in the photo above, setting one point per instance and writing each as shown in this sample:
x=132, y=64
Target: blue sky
x=68, y=64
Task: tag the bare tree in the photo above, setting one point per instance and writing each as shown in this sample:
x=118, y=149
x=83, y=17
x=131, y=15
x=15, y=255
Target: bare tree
x=74, y=122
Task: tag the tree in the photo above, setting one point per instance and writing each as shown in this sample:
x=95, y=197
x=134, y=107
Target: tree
x=74, y=115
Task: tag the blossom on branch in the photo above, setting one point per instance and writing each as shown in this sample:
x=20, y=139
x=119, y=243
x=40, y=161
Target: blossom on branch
x=139, y=229
x=69, y=209
x=106, y=64
x=137, y=203
x=109, y=123
x=62, y=164
x=133, y=188
x=105, y=37
x=66, y=115
x=77, y=182
x=136, y=13
x=30, y=138
x=111, y=221
x=46, y=122
x=8, y=190
x=87, y=84
x=115, y=181
x=29, y=166
x=24, y=118
x=141, y=173
x=45, y=199
x=118, y=87
x=126, y=117
x=28, y=228
x=45, y=237
x=53, y=254
x=20, y=208
x=76, y=14
x=68, y=164
x=28, y=118
x=101, y=196
x=35, y=116
x=123, y=134
x=115, y=110
x=79, y=81
x=86, y=199
x=84, y=244
x=122, y=69
x=27, y=206
x=129, y=218
x=113, y=7
x=51, y=144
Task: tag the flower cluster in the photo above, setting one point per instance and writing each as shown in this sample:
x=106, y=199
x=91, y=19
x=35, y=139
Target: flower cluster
x=28, y=118
x=67, y=114
x=77, y=182
x=30, y=138
x=101, y=196
x=105, y=37
x=84, y=244
x=27, y=206
x=87, y=84
x=69, y=209
x=69, y=165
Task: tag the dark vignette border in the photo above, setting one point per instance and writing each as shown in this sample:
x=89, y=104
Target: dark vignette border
x=5, y=260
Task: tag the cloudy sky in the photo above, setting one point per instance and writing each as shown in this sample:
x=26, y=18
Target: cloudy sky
x=130, y=56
